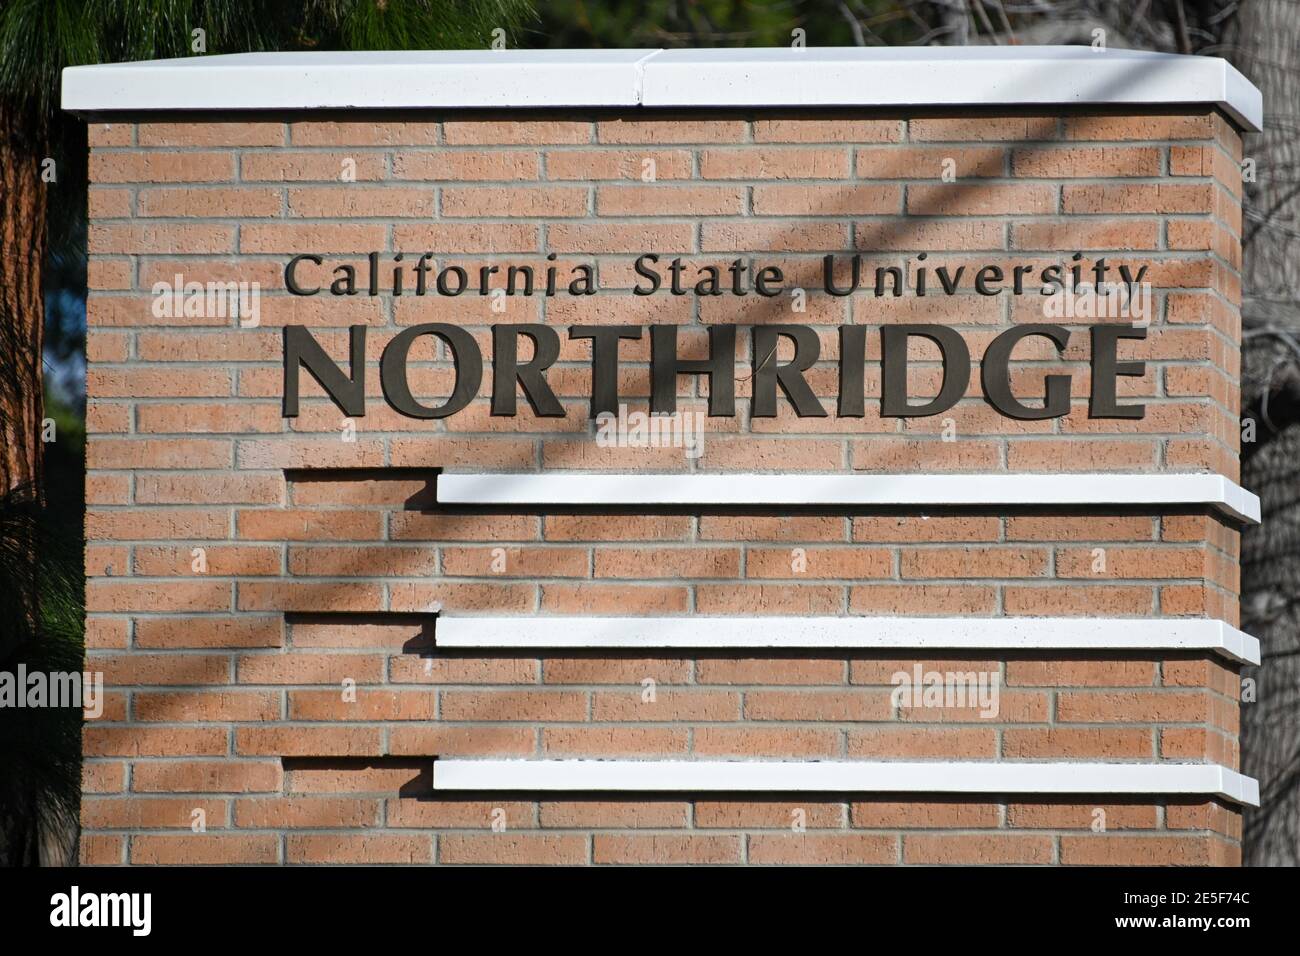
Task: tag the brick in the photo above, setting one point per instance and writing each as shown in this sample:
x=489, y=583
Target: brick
x=620, y=670
x=212, y=776
x=136, y=741
x=923, y=815
x=1150, y=850
x=1088, y=673
x=299, y=668
x=470, y=670
x=666, y=706
x=363, y=705
x=150, y=813
x=802, y=670
x=159, y=238
x=1149, y=127
x=597, y=164
x=931, y=528
x=515, y=849
x=110, y=134
x=363, y=133
x=522, y=202
x=460, y=814
x=822, y=848
x=338, y=848
x=462, y=741
x=324, y=237
x=205, y=706
x=667, y=200
x=833, y=706
x=526, y=133
x=1002, y=849
x=101, y=850
x=613, y=741
x=514, y=705
x=208, y=631
x=613, y=599
x=973, y=562
x=307, y=741
x=1144, y=706
x=932, y=162
x=612, y=814
x=263, y=813
x=161, y=167
x=467, y=165
x=948, y=199
x=922, y=742
x=158, y=596
x=219, y=849
x=797, y=599
x=621, y=237
x=670, y=129
x=838, y=130
x=697, y=849
x=206, y=133
x=331, y=202
x=774, y=163
x=1095, y=600
x=838, y=199
x=767, y=814
x=1081, y=816
x=929, y=599
x=305, y=525
x=288, y=166
x=1086, y=162
x=209, y=202
x=1077, y=742
x=751, y=742
x=1080, y=234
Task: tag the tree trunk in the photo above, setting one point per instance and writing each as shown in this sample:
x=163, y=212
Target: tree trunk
x=22, y=306
x=1266, y=48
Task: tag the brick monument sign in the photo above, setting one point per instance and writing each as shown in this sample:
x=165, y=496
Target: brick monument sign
x=612, y=457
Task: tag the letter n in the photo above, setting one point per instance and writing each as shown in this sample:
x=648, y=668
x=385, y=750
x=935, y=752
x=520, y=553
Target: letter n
x=348, y=392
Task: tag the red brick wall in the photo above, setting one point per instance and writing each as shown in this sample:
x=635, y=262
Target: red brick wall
x=220, y=702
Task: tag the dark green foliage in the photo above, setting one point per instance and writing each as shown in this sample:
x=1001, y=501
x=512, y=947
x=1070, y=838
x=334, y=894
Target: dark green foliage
x=40, y=748
x=707, y=23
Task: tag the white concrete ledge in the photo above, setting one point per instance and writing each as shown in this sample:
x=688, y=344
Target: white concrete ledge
x=559, y=488
x=847, y=776
x=866, y=633
x=1010, y=76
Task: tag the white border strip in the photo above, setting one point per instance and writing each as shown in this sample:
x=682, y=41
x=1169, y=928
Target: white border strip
x=554, y=488
x=872, y=633
x=771, y=77
x=839, y=776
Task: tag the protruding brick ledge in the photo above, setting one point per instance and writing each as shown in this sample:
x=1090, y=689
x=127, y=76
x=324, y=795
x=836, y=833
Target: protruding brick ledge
x=894, y=633
x=1067, y=490
x=839, y=776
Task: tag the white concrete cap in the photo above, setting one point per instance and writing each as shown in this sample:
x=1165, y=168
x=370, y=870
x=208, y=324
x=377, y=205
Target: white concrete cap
x=818, y=76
